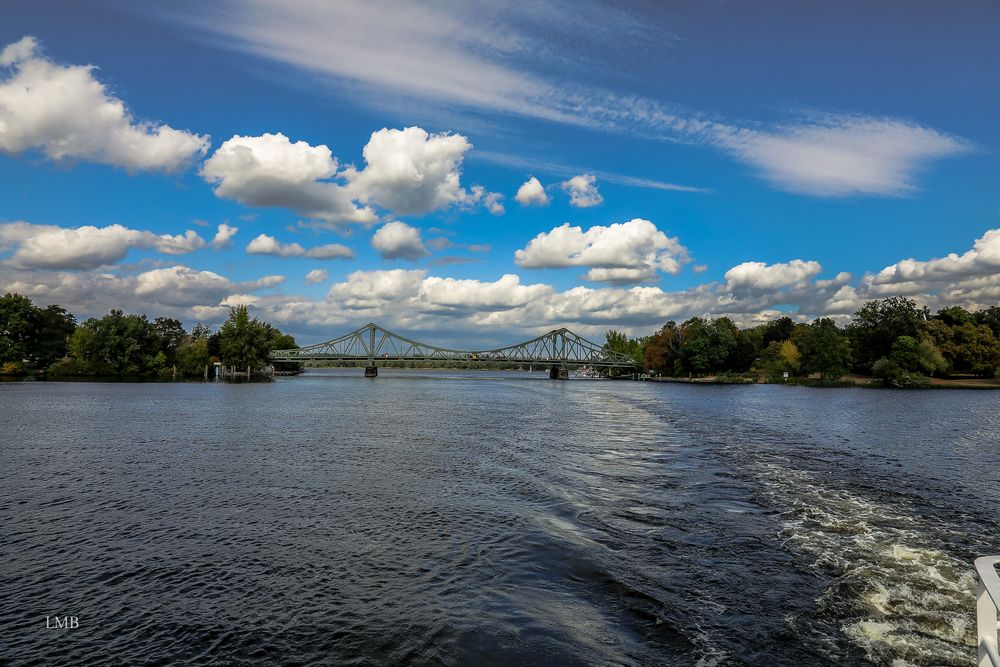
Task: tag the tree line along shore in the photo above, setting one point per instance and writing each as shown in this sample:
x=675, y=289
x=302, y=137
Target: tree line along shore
x=892, y=342
x=49, y=342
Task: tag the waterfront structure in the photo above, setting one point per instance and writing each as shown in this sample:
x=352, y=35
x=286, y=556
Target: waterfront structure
x=559, y=350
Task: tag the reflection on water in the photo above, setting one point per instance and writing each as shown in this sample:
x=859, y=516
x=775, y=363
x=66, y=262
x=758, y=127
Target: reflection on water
x=493, y=518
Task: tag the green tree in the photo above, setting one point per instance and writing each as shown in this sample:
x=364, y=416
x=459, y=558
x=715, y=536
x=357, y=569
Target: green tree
x=282, y=341
x=192, y=356
x=171, y=333
x=53, y=327
x=17, y=327
x=991, y=318
x=127, y=345
x=748, y=346
x=825, y=350
x=661, y=351
x=616, y=341
x=778, y=330
x=973, y=349
x=955, y=315
x=780, y=357
x=878, y=324
x=790, y=356
x=707, y=345
x=201, y=331
x=131, y=344
x=32, y=334
x=940, y=334
x=893, y=375
x=244, y=342
x=917, y=356
x=85, y=344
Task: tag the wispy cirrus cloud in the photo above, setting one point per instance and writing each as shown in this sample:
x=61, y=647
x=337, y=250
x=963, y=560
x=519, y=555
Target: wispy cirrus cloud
x=837, y=155
x=535, y=193
x=445, y=53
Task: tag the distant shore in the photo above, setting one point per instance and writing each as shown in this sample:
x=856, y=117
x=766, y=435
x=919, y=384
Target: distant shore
x=962, y=382
x=848, y=381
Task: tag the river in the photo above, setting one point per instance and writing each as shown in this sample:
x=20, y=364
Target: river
x=444, y=517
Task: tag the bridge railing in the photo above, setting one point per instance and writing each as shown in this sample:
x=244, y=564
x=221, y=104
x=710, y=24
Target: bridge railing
x=987, y=604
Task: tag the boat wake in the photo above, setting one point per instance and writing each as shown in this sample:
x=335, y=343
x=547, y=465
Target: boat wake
x=893, y=589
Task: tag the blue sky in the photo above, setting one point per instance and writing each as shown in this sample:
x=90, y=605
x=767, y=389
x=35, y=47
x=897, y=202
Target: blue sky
x=737, y=160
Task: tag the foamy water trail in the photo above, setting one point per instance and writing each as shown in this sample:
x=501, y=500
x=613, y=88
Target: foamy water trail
x=893, y=589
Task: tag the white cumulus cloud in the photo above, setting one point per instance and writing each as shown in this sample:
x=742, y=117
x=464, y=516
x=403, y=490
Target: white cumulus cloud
x=179, y=244
x=491, y=201
x=761, y=276
x=271, y=171
x=264, y=244
x=68, y=114
x=582, y=190
x=367, y=289
x=477, y=296
x=176, y=291
x=87, y=247
x=223, y=235
x=971, y=278
x=398, y=240
x=180, y=285
x=443, y=308
x=406, y=171
x=316, y=276
x=982, y=260
x=625, y=252
x=532, y=193
x=410, y=171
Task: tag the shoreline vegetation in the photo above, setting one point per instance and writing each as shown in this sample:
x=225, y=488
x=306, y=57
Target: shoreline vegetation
x=858, y=381
x=890, y=342
x=48, y=343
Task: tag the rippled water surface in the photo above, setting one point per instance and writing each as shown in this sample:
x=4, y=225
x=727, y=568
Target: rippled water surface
x=450, y=518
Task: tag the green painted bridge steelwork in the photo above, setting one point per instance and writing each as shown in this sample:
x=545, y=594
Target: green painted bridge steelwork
x=560, y=349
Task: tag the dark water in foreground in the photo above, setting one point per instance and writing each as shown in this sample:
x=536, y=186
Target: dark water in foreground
x=449, y=518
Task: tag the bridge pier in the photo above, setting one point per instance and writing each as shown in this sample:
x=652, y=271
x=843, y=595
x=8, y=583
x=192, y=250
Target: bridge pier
x=558, y=373
x=371, y=371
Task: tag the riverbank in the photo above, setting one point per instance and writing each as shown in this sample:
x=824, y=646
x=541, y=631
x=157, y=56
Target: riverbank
x=960, y=382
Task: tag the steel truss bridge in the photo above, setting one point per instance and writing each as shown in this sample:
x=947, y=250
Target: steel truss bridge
x=559, y=349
